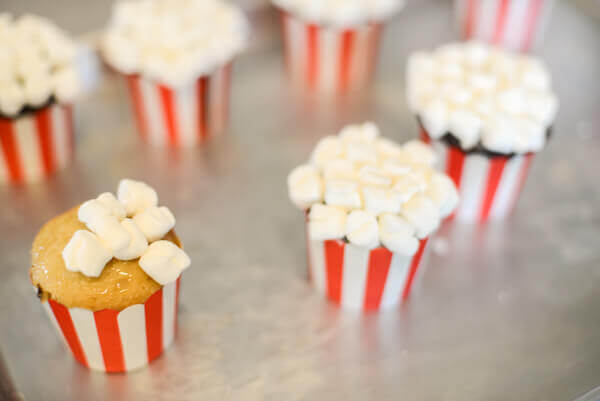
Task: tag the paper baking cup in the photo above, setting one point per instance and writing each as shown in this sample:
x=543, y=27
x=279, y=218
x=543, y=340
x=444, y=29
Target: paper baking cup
x=328, y=59
x=119, y=341
x=183, y=116
x=488, y=186
x=35, y=144
x=359, y=278
x=513, y=24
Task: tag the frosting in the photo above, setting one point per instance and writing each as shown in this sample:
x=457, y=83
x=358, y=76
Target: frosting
x=173, y=41
x=164, y=261
x=341, y=13
x=370, y=190
x=482, y=96
x=112, y=234
x=37, y=61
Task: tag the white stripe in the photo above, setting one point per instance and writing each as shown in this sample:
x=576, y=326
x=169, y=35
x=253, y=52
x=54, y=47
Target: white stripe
x=60, y=135
x=354, y=276
x=542, y=21
x=48, y=310
x=168, y=313
x=132, y=327
x=29, y=148
x=329, y=52
x=441, y=152
x=85, y=326
x=216, y=97
x=514, y=26
x=396, y=279
x=472, y=186
x=485, y=22
x=296, y=32
x=359, y=62
x=317, y=264
x=153, y=110
x=507, y=187
x=186, y=110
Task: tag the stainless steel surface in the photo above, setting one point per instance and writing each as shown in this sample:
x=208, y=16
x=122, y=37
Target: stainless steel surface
x=506, y=312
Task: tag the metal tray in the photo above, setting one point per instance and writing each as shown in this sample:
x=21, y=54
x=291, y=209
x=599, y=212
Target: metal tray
x=508, y=311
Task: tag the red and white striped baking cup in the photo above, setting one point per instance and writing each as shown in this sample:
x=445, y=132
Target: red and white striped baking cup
x=488, y=186
x=119, y=341
x=513, y=24
x=328, y=59
x=183, y=116
x=36, y=144
x=360, y=278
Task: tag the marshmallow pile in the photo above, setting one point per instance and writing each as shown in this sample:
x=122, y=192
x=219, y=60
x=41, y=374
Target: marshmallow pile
x=126, y=227
x=37, y=62
x=371, y=191
x=483, y=96
x=341, y=12
x=173, y=41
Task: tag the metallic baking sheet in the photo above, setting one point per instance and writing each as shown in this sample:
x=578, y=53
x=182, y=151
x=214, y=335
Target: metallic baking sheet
x=505, y=312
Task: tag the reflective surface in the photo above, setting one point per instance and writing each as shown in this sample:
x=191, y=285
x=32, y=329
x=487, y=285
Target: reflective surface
x=504, y=312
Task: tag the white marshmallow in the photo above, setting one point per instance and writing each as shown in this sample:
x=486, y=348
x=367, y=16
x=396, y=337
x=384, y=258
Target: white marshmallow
x=443, y=193
x=136, y=196
x=362, y=229
x=397, y=235
x=422, y=213
x=378, y=200
x=374, y=176
x=408, y=185
x=326, y=222
x=37, y=89
x=164, y=262
x=85, y=253
x=361, y=153
x=155, y=222
x=111, y=203
x=466, y=126
x=364, y=133
x=342, y=193
x=12, y=99
x=66, y=84
x=339, y=169
x=499, y=134
x=327, y=149
x=305, y=186
x=98, y=218
x=395, y=169
x=137, y=243
x=419, y=152
x=388, y=149
x=434, y=118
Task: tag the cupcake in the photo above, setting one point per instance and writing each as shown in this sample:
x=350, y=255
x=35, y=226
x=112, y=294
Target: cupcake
x=176, y=58
x=512, y=24
x=488, y=113
x=371, y=205
x=38, y=83
x=331, y=46
x=108, y=273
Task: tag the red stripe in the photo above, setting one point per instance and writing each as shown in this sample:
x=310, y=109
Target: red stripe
x=202, y=90
x=177, y=301
x=379, y=265
x=286, y=44
x=133, y=83
x=454, y=164
x=424, y=136
x=107, y=328
x=346, y=50
x=9, y=148
x=68, y=110
x=501, y=14
x=414, y=266
x=472, y=6
x=63, y=318
x=334, y=260
x=312, y=55
x=168, y=103
x=374, y=41
x=494, y=175
x=527, y=159
x=154, y=324
x=44, y=130
x=531, y=19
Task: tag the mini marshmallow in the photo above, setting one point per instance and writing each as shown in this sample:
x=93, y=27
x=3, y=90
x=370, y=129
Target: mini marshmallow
x=111, y=203
x=164, y=262
x=85, y=253
x=137, y=244
x=443, y=193
x=361, y=153
x=305, y=186
x=92, y=209
x=328, y=148
x=136, y=196
x=339, y=169
x=155, y=222
x=434, y=118
x=466, y=125
x=374, y=176
x=326, y=222
x=388, y=149
x=419, y=152
x=378, y=200
x=422, y=213
x=12, y=99
x=362, y=229
x=98, y=218
x=408, y=185
x=342, y=193
x=398, y=235
x=365, y=133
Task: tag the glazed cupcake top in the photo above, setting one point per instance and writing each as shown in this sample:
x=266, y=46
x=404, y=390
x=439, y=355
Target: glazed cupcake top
x=37, y=64
x=341, y=12
x=173, y=41
x=483, y=96
x=371, y=191
x=110, y=252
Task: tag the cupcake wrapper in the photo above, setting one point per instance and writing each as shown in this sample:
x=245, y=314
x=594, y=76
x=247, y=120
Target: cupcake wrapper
x=35, y=144
x=328, y=59
x=359, y=278
x=113, y=341
x=183, y=116
x=513, y=24
x=488, y=186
